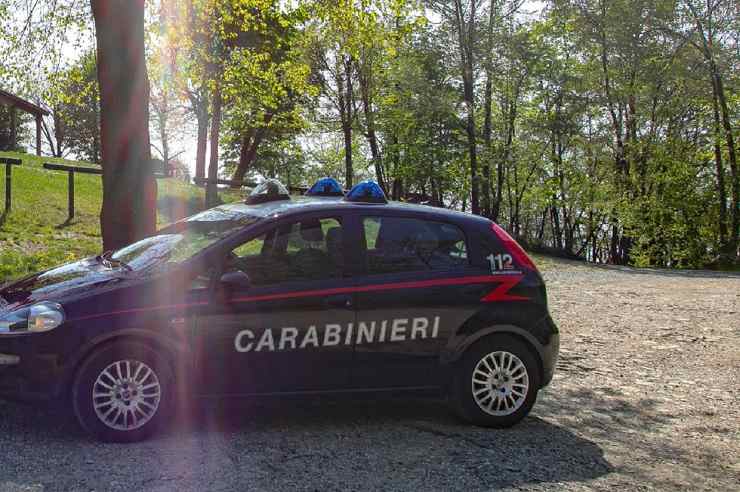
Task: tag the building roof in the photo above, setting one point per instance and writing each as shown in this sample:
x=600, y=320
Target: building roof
x=9, y=99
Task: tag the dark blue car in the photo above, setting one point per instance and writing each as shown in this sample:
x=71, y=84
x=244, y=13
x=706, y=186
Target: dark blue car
x=324, y=293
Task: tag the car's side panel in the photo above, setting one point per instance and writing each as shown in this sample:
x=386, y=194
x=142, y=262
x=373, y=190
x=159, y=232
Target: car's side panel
x=254, y=343
x=413, y=313
x=415, y=324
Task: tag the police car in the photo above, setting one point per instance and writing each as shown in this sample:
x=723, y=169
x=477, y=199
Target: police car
x=323, y=293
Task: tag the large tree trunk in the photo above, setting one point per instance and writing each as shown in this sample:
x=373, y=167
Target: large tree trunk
x=212, y=187
x=129, y=209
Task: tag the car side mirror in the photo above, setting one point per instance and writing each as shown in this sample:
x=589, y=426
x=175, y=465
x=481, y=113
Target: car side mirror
x=235, y=280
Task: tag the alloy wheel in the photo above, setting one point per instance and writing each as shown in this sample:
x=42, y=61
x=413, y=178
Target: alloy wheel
x=500, y=383
x=126, y=395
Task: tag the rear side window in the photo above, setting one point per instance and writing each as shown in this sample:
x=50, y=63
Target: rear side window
x=396, y=244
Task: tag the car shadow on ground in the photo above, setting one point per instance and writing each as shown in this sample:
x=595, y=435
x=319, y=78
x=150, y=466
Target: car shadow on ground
x=371, y=443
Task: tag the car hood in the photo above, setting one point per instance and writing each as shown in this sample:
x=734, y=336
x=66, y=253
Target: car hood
x=86, y=276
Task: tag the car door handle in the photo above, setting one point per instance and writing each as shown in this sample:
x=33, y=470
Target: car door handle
x=342, y=301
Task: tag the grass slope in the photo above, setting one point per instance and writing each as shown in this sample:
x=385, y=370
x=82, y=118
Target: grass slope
x=35, y=234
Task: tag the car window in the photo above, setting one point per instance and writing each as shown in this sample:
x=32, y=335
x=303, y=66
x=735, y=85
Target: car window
x=396, y=244
x=307, y=250
x=179, y=242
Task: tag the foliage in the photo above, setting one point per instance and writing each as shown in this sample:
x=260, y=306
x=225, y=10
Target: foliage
x=75, y=101
x=600, y=130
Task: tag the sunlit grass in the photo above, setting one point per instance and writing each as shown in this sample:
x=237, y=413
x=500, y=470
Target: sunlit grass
x=35, y=234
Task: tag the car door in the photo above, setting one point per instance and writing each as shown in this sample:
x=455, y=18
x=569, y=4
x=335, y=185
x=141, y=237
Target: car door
x=414, y=295
x=284, y=331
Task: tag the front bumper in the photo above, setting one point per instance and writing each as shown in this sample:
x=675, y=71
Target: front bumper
x=25, y=374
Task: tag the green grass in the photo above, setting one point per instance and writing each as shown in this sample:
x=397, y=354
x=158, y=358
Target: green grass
x=35, y=234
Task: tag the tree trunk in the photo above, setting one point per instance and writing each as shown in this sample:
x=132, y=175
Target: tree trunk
x=212, y=187
x=248, y=152
x=706, y=33
x=346, y=96
x=13, y=129
x=129, y=209
x=202, y=142
x=57, y=150
x=734, y=236
x=487, y=117
x=249, y=145
x=466, y=39
x=721, y=190
x=372, y=138
x=162, y=118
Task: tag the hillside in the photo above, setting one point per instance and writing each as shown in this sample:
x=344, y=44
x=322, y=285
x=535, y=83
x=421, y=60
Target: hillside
x=35, y=234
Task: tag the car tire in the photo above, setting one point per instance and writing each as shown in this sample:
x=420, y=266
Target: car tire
x=123, y=392
x=496, y=382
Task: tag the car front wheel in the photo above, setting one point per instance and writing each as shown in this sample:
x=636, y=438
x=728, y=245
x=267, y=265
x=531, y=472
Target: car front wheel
x=122, y=392
x=496, y=383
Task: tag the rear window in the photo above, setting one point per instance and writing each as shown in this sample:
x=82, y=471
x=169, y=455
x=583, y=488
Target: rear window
x=396, y=244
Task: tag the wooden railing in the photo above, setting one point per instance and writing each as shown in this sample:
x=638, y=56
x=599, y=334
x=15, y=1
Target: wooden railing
x=71, y=170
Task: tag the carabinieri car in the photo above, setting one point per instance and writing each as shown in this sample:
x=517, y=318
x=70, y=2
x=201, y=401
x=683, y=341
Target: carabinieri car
x=323, y=293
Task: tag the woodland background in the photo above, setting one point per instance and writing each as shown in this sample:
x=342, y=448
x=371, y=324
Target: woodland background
x=605, y=130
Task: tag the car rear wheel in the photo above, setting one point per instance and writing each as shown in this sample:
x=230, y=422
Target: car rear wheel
x=496, y=383
x=122, y=392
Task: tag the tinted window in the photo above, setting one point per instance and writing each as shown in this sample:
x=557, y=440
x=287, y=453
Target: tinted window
x=306, y=250
x=397, y=244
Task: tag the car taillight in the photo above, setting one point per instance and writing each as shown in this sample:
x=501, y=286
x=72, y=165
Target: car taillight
x=517, y=252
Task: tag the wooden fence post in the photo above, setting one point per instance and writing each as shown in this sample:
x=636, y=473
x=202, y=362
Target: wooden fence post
x=9, y=163
x=71, y=194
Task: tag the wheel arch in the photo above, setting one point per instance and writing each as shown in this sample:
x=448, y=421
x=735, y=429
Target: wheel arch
x=175, y=353
x=461, y=343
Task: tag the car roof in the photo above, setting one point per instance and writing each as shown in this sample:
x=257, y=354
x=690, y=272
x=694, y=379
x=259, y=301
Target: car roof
x=302, y=204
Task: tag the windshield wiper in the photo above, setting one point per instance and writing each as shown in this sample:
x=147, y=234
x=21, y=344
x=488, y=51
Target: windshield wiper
x=109, y=262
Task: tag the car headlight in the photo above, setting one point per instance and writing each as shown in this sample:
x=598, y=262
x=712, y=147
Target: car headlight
x=40, y=317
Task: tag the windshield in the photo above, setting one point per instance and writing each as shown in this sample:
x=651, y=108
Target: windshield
x=181, y=241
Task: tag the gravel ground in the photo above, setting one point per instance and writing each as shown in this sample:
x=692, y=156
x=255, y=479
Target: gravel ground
x=646, y=396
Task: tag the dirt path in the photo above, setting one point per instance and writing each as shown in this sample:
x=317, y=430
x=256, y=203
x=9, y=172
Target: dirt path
x=646, y=396
x=650, y=372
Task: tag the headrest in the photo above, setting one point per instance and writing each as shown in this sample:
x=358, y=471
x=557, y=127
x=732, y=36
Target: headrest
x=311, y=231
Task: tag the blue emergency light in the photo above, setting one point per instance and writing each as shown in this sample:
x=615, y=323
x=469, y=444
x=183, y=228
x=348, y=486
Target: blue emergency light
x=326, y=187
x=366, y=192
